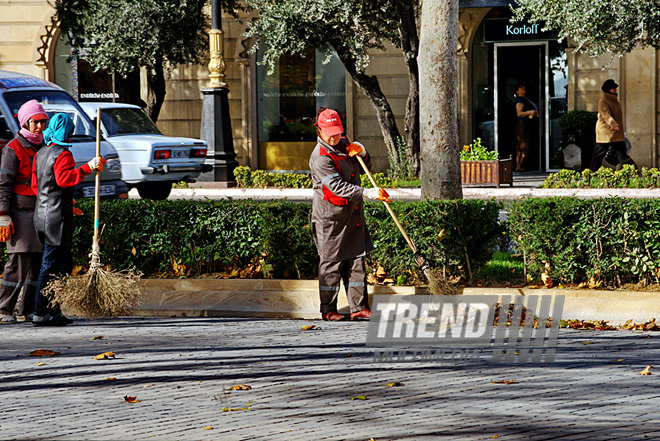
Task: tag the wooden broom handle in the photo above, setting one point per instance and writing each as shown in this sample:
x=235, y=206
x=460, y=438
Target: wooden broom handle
x=412, y=245
x=97, y=180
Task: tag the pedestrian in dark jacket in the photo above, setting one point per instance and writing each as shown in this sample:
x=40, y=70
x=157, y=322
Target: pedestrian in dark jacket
x=610, y=132
x=54, y=175
x=17, y=201
x=338, y=224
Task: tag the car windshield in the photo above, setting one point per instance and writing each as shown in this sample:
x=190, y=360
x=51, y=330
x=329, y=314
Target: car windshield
x=54, y=101
x=127, y=121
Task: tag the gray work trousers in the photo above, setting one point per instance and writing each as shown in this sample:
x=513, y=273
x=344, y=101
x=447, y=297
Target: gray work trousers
x=21, y=272
x=351, y=272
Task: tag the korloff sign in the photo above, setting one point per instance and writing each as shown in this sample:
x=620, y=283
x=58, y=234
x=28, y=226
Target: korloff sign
x=517, y=329
x=501, y=30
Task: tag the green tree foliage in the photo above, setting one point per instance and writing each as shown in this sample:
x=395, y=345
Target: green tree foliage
x=351, y=28
x=122, y=36
x=598, y=26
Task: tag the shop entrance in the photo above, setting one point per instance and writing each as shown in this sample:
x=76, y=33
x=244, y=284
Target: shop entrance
x=522, y=63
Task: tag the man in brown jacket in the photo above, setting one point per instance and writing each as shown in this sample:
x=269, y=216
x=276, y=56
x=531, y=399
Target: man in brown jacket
x=610, y=133
x=338, y=223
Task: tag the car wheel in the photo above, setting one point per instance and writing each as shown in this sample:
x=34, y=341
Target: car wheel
x=154, y=190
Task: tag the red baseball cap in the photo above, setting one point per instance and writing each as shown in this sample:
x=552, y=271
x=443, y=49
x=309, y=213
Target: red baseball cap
x=330, y=123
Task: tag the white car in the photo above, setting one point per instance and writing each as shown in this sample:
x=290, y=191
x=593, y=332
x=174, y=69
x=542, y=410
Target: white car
x=150, y=161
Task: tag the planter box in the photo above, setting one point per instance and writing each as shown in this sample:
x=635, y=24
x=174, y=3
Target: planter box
x=499, y=171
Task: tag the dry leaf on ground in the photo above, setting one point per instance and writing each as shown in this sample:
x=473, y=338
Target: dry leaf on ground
x=110, y=379
x=503, y=381
x=208, y=428
x=41, y=363
x=395, y=384
x=98, y=337
x=310, y=328
x=646, y=371
x=128, y=399
x=105, y=356
x=359, y=397
x=241, y=387
x=43, y=353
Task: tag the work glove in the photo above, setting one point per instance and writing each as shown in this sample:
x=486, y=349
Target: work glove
x=356, y=148
x=6, y=227
x=76, y=211
x=376, y=193
x=96, y=163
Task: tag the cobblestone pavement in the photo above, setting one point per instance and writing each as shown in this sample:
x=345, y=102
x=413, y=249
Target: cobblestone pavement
x=182, y=372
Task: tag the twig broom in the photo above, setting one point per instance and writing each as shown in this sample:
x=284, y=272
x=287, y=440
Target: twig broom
x=97, y=293
x=437, y=284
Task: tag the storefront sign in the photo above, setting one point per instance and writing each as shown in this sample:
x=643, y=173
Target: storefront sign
x=501, y=30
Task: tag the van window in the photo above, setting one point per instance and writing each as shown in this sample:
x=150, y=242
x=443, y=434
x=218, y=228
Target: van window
x=54, y=101
x=5, y=132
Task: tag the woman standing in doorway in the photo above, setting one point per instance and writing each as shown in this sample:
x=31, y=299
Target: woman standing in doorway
x=526, y=111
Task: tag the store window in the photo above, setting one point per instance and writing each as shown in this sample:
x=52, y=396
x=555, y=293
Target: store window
x=286, y=107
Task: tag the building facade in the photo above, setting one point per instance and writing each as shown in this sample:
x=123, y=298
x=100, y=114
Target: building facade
x=272, y=112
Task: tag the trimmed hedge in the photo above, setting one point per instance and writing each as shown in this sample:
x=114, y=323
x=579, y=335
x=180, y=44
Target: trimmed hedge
x=273, y=239
x=611, y=240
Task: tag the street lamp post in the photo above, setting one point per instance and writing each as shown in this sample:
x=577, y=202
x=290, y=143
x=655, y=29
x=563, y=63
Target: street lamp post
x=216, y=122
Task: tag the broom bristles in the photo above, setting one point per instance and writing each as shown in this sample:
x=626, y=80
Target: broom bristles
x=96, y=294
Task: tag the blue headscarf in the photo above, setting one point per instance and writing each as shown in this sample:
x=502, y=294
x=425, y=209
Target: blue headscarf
x=60, y=128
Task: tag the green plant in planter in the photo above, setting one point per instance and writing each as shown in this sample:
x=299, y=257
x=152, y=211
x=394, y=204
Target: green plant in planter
x=477, y=152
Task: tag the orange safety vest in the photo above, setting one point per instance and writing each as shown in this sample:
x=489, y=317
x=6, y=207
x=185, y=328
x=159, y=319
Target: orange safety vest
x=327, y=194
x=23, y=174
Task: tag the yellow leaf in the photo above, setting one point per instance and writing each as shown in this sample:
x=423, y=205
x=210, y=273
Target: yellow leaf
x=105, y=356
x=395, y=384
x=128, y=399
x=242, y=387
x=208, y=428
x=41, y=363
x=504, y=381
x=442, y=234
x=621, y=359
x=77, y=269
x=359, y=397
x=646, y=371
x=133, y=251
x=147, y=385
x=587, y=342
x=495, y=436
x=98, y=337
x=43, y=353
x=309, y=327
x=109, y=379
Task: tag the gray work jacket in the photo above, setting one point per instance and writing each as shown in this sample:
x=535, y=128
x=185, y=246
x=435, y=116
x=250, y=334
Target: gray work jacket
x=338, y=223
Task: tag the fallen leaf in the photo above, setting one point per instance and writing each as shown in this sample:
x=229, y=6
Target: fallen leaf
x=504, y=381
x=242, y=387
x=646, y=371
x=41, y=363
x=395, y=384
x=77, y=269
x=359, y=397
x=587, y=342
x=227, y=409
x=109, y=379
x=105, y=356
x=621, y=359
x=208, y=428
x=128, y=399
x=98, y=337
x=133, y=251
x=43, y=353
x=309, y=328
x=148, y=385
x=495, y=436
x=347, y=355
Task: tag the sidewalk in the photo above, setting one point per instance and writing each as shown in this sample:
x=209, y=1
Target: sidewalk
x=524, y=185
x=182, y=371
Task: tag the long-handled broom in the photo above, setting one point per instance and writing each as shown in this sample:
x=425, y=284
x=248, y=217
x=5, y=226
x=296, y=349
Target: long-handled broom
x=436, y=286
x=98, y=293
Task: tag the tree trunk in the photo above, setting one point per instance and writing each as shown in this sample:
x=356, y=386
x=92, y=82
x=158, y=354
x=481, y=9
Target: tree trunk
x=371, y=88
x=410, y=48
x=439, y=150
x=156, y=88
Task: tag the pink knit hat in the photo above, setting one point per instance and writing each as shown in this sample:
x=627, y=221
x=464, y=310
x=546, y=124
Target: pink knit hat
x=31, y=110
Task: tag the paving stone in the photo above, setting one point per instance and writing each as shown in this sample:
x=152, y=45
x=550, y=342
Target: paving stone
x=302, y=383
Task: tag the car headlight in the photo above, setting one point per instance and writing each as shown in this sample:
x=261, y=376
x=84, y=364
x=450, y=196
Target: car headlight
x=113, y=166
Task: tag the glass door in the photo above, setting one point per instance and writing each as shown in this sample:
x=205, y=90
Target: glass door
x=522, y=63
